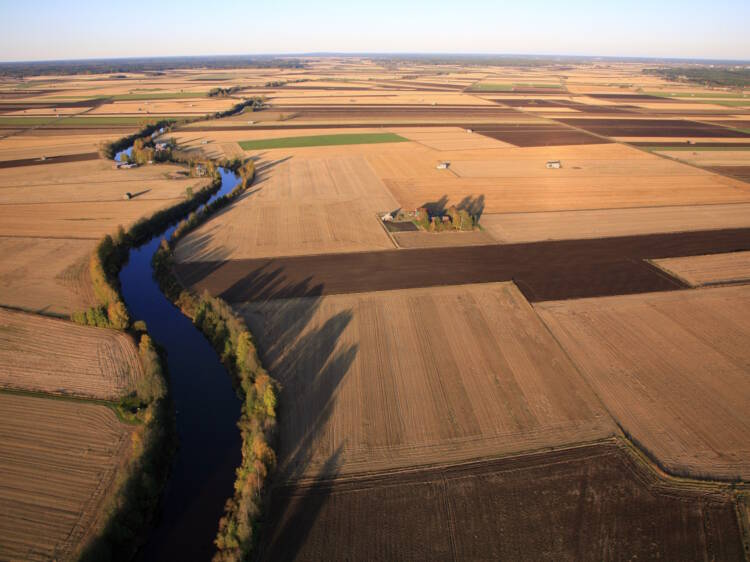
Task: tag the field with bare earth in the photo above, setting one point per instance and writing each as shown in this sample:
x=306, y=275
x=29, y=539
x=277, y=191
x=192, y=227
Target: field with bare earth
x=375, y=379
x=517, y=179
x=58, y=459
x=595, y=502
x=46, y=275
x=712, y=269
x=56, y=356
x=421, y=239
x=671, y=368
x=604, y=223
x=298, y=206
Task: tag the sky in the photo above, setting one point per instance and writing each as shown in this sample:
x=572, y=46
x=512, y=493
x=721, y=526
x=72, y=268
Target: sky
x=51, y=30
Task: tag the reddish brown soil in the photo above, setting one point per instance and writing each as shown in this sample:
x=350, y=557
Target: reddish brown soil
x=537, y=135
x=552, y=104
x=589, y=503
x=739, y=172
x=628, y=97
x=82, y=157
x=551, y=270
x=652, y=128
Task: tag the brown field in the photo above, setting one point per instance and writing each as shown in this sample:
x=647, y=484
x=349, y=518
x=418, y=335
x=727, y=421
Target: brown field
x=375, y=378
x=653, y=128
x=300, y=206
x=516, y=180
x=422, y=239
x=46, y=275
x=672, y=370
x=711, y=157
x=58, y=460
x=600, y=223
x=82, y=220
x=710, y=269
x=37, y=144
x=59, y=357
x=595, y=503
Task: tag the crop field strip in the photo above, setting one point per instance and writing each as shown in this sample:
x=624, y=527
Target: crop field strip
x=375, y=378
x=59, y=357
x=57, y=460
x=671, y=368
x=711, y=269
x=321, y=140
x=81, y=157
x=584, y=503
x=652, y=128
x=512, y=228
x=549, y=270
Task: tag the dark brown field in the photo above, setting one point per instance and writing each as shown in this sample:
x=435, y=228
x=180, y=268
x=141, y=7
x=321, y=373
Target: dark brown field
x=537, y=135
x=652, y=128
x=595, y=502
x=50, y=160
x=542, y=270
x=628, y=97
x=739, y=172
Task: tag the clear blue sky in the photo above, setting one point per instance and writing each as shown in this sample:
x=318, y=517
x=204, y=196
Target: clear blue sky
x=47, y=29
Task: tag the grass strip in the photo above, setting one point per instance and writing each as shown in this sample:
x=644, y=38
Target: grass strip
x=322, y=140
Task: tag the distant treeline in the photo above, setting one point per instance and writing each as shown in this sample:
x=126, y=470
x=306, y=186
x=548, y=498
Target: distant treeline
x=156, y=64
x=708, y=75
x=224, y=92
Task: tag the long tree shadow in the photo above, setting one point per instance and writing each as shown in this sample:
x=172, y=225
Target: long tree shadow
x=294, y=511
x=472, y=205
x=300, y=344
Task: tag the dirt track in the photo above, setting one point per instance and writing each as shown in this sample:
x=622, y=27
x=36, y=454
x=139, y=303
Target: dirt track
x=82, y=157
x=542, y=270
x=589, y=503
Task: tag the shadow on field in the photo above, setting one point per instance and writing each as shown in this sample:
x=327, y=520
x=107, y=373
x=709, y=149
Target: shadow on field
x=302, y=349
x=293, y=513
x=472, y=205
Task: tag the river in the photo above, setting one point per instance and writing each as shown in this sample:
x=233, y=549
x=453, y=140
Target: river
x=207, y=409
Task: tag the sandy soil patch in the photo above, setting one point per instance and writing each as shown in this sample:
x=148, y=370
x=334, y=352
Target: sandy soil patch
x=727, y=157
x=709, y=269
x=599, y=223
x=671, y=368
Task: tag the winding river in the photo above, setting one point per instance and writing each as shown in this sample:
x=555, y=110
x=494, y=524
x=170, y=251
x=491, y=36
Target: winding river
x=207, y=408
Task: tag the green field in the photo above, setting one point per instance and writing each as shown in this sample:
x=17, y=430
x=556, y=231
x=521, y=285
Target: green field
x=494, y=86
x=322, y=140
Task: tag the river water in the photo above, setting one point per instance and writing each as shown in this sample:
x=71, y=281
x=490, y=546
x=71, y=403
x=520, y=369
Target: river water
x=207, y=408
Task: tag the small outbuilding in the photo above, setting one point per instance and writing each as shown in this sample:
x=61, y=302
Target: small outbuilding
x=554, y=164
x=443, y=165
